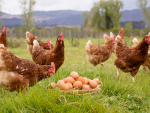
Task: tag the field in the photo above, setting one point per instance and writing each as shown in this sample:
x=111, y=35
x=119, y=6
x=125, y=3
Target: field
x=116, y=96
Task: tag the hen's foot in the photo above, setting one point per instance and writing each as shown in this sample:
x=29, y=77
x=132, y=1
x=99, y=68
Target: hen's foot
x=144, y=69
x=102, y=64
x=117, y=74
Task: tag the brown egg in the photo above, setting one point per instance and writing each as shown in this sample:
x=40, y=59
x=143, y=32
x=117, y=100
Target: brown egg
x=64, y=87
x=93, y=83
x=86, y=87
x=52, y=85
x=86, y=80
x=65, y=80
x=89, y=79
x=70, y=85
x=70, y=80
x=77, y=84
x=74, y=74
x=97, y=80
x=81, y=79
x=60, y=82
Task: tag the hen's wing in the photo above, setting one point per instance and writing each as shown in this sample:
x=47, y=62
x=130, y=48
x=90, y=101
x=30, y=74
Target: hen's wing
x=131, y=56
x=39, y=55
x=15, y=64
x=98, y=50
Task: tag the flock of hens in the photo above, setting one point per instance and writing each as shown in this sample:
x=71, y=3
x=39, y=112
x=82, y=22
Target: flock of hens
x=18, y=74
x=128, y=59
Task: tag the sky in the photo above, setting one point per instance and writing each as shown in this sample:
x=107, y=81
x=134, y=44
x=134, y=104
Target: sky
x=13, y=7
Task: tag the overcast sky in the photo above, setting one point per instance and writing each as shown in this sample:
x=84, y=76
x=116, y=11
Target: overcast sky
x=13, y=6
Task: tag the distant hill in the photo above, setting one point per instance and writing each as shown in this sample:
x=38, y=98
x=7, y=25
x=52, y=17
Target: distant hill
x=132, y=15
x=65, y=17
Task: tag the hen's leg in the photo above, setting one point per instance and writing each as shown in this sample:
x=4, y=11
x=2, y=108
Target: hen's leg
x=117, y=74
x=133, y=73
x=22, y=85
x=144, y=69
x=102, y=64
x=133, y=79
x=114, y=55
x=22, y=89
x=3, y=91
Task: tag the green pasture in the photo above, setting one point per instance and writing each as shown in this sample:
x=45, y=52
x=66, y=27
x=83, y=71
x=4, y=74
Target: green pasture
x=122, y=96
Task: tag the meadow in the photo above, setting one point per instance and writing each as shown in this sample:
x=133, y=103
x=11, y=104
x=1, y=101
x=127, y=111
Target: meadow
x=120, y=96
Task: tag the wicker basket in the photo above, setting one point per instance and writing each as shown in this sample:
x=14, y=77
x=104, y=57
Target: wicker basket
x=78, y=92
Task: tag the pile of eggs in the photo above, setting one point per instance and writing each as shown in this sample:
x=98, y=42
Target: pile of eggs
x=77, y=82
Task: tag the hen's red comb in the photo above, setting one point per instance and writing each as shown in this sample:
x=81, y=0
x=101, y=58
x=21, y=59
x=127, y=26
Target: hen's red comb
x=62, y=35
x=113, y=39
x=48, y=42
x=122, y=29
x=4, y=29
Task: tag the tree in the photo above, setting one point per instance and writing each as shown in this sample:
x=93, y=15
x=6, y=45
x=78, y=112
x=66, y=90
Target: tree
x=27, y=14
x=111, y=12
x=104, y=14
x=87, y=22
x=128, y=29
x=143, y=5
x=96, y=17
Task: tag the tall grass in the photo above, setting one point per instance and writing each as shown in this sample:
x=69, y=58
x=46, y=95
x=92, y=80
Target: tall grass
x=116, y=96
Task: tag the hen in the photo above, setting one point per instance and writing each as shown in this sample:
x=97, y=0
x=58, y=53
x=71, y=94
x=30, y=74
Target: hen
x=99, y=54
x=121, y=35
x=18, y=74
x=30, y=38
x=3, y=37
x=45, y=57
x=147, y=62
x=130, y=59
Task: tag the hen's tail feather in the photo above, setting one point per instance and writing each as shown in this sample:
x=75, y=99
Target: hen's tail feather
x=35, y=43
x=111, y=35
x=27, y=32
x=87, y=46
x=1, y=46
x=135, y=40
x=27, y=38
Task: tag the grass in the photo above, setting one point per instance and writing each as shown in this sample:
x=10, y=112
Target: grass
x=116, y=96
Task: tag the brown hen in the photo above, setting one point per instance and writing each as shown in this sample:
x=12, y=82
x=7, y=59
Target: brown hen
x=130, y=59
x=45, y=57
x=99, y=54
x=147, y=62
x=18, y=74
